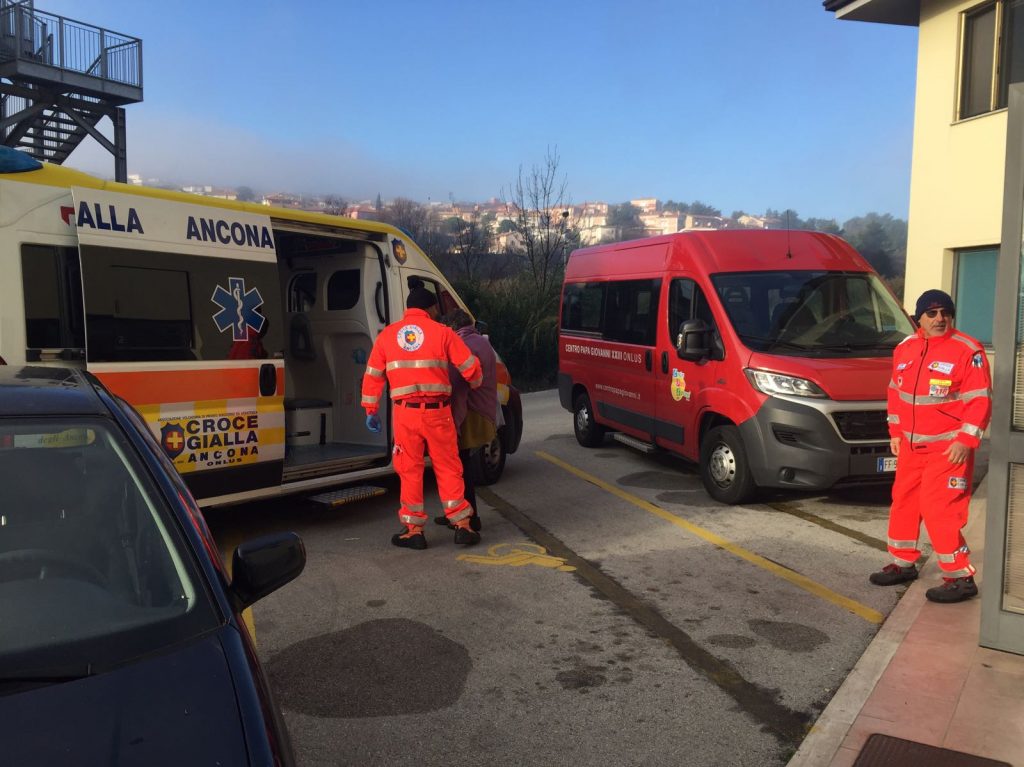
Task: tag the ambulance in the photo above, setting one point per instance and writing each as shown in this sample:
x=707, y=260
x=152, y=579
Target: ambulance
x=239, y=332
x=763, y=356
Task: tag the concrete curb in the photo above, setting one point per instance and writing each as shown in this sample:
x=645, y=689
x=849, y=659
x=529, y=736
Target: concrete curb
x=828, y=733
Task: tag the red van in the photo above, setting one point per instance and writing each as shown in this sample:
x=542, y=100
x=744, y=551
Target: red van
x=762, y=355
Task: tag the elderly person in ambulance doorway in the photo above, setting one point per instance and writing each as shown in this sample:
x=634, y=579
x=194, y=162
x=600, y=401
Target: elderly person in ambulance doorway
x=474, y=410
x=940, y=402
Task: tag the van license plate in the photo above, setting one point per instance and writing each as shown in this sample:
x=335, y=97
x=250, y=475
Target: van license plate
x=887, y=464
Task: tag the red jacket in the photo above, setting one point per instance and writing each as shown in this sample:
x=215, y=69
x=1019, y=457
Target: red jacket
x=940, y=392
x=413, y=354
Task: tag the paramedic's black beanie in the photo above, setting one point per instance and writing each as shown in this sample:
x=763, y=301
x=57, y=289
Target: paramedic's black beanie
x=934, y=299
x=420, y=298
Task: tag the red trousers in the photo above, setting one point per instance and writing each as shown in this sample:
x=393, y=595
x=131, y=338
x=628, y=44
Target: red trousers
x=929, y=488
x=417, y=429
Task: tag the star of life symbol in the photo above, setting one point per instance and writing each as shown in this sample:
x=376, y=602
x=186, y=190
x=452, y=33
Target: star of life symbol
x=410, y=337
x=238, y=309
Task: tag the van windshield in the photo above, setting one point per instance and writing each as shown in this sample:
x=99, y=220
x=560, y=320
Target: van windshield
x=813, y=313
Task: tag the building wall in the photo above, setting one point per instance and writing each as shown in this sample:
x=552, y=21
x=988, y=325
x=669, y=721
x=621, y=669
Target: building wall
x=956, y=182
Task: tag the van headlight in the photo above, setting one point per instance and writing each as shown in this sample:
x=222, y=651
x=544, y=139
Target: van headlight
x=776, y=383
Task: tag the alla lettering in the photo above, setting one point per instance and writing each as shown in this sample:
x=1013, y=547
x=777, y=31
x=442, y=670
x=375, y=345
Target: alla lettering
x=105, y=218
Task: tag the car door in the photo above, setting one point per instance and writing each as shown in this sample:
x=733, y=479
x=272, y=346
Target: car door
x=684, y=388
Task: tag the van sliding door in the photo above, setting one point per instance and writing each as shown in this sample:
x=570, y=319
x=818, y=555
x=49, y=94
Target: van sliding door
x=183, y=320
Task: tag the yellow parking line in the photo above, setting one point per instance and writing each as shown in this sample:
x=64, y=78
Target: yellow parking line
x=863, y=611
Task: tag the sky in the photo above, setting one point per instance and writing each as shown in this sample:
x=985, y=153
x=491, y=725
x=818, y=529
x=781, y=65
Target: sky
x=741, y=104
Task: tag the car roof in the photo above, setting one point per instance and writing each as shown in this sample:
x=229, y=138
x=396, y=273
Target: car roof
x=37, y=390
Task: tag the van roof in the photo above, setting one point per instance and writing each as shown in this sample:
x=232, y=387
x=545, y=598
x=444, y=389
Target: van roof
x=715, y=251
x=59, y=176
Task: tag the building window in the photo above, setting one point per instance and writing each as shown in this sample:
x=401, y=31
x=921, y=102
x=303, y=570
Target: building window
x=991, y=56
x=976, y=292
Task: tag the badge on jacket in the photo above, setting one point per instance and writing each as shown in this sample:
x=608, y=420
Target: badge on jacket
x=977, y=360
x=939, y=387
x=958, y=483
x=941, y=367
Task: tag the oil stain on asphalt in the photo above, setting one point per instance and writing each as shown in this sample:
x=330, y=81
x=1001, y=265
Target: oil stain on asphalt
x=361, y=672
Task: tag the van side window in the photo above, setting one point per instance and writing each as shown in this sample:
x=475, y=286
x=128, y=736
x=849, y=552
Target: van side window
x=631, y=311
x=343, y=290
x=52, y=285
x=686, y=301
x=582, y=306
x=302, y=292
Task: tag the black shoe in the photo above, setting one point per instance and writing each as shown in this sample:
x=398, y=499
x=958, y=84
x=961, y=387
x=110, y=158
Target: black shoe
x=415, y=541
x=474, y=522
x=953, y=590
x=465, y=537
x=892, y=574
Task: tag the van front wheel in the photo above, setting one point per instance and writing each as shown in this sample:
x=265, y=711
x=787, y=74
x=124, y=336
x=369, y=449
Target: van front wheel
x=588, y=432
x=724, y=468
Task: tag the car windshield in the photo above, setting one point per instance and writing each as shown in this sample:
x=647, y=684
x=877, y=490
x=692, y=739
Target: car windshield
x=93, y=569
x=813, y=313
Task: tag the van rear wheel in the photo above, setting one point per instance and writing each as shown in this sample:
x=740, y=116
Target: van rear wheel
x=588, y=432
x=724, y=468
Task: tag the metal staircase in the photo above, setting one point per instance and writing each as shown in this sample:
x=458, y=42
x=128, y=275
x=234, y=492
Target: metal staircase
x=59, y=78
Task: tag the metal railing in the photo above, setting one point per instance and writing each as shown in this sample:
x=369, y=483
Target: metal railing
x=45, y=38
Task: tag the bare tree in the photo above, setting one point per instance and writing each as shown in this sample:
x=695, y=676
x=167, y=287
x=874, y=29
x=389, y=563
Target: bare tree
x=470, y=245
x=335, y=205
x=543, y=222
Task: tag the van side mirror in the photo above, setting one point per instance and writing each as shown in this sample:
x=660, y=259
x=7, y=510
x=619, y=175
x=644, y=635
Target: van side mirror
x=693, y=342
x=263, y=565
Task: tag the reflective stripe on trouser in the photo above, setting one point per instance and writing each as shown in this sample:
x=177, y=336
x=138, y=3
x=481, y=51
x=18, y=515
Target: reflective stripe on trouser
x=930, y=489
x=418, y=430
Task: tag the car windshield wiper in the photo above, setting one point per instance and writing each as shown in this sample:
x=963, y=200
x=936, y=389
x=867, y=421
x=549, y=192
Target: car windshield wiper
x=850, y=347
x=776, y=342
x=55, y=675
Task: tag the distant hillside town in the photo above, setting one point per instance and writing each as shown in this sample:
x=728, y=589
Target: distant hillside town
x=594, y=221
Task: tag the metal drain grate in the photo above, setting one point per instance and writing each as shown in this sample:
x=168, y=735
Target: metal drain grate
x=885, y=750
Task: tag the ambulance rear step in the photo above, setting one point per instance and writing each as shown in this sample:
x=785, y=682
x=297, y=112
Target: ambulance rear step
x=633, y=442
x=347, y=495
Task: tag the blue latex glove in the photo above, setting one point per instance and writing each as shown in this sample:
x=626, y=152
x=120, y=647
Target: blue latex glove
x=373, y=423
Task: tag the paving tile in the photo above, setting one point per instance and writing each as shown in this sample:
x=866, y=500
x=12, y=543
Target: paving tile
x=895, y=703
x=1001, y=661
x=1004, y=745
x=922, y=729
x=988, y=681
x=923, y=673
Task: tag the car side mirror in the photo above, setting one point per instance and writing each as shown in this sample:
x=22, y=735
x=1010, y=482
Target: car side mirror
x=693, y=341
x=263, y=565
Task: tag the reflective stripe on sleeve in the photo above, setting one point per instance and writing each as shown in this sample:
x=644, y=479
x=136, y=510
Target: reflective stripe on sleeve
x=375, y=372
x=892, y=419
x=405, y=391
x=967, y=342
x=417, y=364
x=967, y=396
x=972, y=430
x=467, y=364
x=369, y=399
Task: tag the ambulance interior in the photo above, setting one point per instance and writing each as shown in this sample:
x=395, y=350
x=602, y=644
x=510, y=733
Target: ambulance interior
x=335, y=303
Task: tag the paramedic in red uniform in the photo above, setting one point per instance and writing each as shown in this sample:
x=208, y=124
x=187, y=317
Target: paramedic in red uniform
x=940, y=401
x=413, y=355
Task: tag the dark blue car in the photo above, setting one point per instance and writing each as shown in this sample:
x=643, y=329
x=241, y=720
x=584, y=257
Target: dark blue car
x=120, y=636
